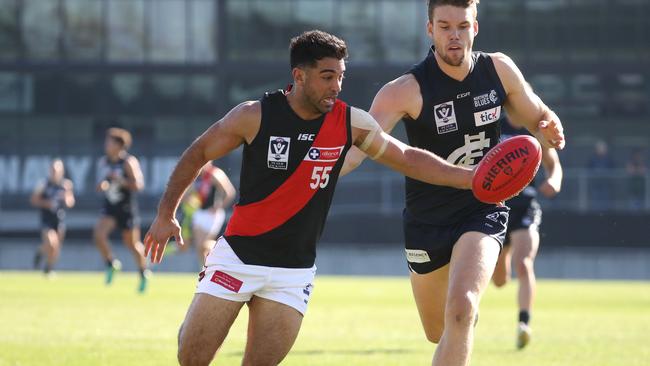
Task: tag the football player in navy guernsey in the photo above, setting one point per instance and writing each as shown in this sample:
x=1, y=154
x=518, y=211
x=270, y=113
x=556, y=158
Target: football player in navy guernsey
x=522, y=237
x=294, y=144
x=451, y=103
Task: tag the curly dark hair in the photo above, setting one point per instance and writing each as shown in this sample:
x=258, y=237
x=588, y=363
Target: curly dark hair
x=311, y=46
x=431, y=4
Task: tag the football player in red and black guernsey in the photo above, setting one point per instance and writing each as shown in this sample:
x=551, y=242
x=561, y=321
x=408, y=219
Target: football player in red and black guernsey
x=295, y=143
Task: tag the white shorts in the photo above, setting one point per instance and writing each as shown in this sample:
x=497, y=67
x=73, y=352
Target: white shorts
x=227, y=277
x=209, y=221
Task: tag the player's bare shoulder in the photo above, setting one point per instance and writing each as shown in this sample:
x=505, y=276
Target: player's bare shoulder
x=244, y=119
x=398, y=98
x=508, y=72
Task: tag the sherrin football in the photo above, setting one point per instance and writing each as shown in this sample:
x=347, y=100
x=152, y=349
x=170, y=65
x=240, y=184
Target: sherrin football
x=506, y=169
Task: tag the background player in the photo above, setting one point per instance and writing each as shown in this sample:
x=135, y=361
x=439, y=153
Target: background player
x=211, y=193
x=451, y=104
x=121, y=178
x=294, y=145
x=52, y=196
x=522, y=236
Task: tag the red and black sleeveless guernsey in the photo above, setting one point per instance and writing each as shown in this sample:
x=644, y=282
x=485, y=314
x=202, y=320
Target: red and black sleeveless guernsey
x=459, y=122
x=288, y=176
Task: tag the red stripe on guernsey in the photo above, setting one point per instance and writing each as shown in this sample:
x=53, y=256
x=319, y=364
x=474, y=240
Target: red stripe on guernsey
x=277, y=208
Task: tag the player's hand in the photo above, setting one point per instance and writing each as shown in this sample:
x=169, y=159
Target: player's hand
x=553, y=133
x=158, y=235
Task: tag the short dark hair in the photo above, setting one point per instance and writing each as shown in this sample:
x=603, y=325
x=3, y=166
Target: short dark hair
x=311, y=46
x=121, y=136
x=459, y=3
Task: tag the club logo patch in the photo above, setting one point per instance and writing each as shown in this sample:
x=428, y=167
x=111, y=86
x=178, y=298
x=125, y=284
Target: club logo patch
x=445, y=117
x=278, y=156
x=486, y=99
x=487, y=116
x=324, y=154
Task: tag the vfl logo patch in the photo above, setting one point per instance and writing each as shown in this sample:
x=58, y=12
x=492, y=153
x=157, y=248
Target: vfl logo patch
x=487, y=116
x=445, y=117
x=226, y=281
x=417, y=256
x=324, y=154
x=278, y=156
x=486, y=99
x=493, y=216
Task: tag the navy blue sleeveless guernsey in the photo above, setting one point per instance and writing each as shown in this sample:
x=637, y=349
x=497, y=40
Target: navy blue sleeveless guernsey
x=459, y=122
x=117, y=195
x=55, y=193
x=530, y=192
x=289, y=172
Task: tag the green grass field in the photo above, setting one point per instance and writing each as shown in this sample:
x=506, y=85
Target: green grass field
x=74, y=320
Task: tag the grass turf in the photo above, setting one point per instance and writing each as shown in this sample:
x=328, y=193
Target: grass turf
x=74, y=319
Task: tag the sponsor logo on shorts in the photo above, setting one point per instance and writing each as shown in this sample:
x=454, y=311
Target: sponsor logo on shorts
x=417, y=256
x=324, y=154
x=445, y=117
x=278, y=156
x=487, y=116
x=201, y=275
x=307, y=291
x=486, y=99
x=227, y=281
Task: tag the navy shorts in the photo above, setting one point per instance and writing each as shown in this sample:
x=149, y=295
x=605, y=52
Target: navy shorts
x=126, y=216
x=524, y=217
x=429, y=247
x=51, y=220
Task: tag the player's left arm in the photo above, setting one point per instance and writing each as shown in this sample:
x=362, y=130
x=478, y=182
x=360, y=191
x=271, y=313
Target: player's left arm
x=526, y=107
x=552, y=185
x=68, y=198
x=134, y=180
x=413, y=162
x=222, y=181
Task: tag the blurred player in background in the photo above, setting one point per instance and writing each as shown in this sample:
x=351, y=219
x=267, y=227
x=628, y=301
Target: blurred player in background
x=52, y=196
x=522, y=237
x=120, y=179
x=204, y=205
x=294, y=142
x=451, y=104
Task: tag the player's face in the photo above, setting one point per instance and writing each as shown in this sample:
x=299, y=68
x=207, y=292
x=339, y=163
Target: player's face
x=322, y=83
x=453, y=31
x=111, y=147
x=57, y=171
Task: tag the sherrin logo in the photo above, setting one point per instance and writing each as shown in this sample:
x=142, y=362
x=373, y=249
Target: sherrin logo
x=503, y=165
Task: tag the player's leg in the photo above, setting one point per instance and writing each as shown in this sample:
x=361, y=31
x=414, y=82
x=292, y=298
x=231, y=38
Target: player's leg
x=430, y=294
x=206, y=325
x=104, y=226
x=200, y=239
x=525, y=243
x=272, y=330
x=51, y=247
x=502, y=271
x=131, y=238
x=472, y=263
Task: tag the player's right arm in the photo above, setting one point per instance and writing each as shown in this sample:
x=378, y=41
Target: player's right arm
x=237, y=127
x=400, y=97
x=36, y=198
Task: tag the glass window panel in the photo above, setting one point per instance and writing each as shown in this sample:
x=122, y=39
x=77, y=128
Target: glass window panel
x=126, y=35
x=168, y=94
x=402, y=45
x=84, y=28
x=11, y=92
x=82, y=93
x=253, y=87
x=203, y=31
x=168, y=31
x=201, y=92
x=8, y=30
x=128, y=94
x=10, y=136
x=47, y=93
x=358, y=27
x=314, y=14
x=41, y=29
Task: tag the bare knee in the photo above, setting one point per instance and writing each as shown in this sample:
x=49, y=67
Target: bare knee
x=524, y=267
x=190, y=353
x=461, y=310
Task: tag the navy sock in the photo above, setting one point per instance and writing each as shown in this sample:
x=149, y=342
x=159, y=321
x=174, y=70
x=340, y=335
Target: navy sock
x=524, y=316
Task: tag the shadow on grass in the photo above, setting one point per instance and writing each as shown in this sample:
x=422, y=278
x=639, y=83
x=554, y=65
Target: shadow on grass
x=340, y=352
